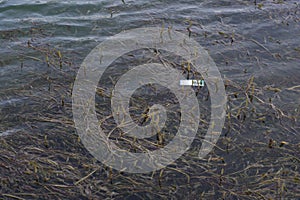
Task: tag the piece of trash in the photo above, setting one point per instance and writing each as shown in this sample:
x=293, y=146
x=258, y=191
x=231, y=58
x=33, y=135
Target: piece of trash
x=192, y=83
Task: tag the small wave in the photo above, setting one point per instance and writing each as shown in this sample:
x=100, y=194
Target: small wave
x=10, y=101
x=9, y=132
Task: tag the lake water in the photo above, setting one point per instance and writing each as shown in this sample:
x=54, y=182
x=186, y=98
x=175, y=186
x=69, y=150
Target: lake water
x=43, y=44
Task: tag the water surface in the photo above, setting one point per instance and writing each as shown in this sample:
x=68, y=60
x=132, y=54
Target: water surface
x=244, y=40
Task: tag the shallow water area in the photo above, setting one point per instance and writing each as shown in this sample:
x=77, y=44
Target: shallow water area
x=256, y=47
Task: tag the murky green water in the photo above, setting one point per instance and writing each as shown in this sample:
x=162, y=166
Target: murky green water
x=244, y=40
